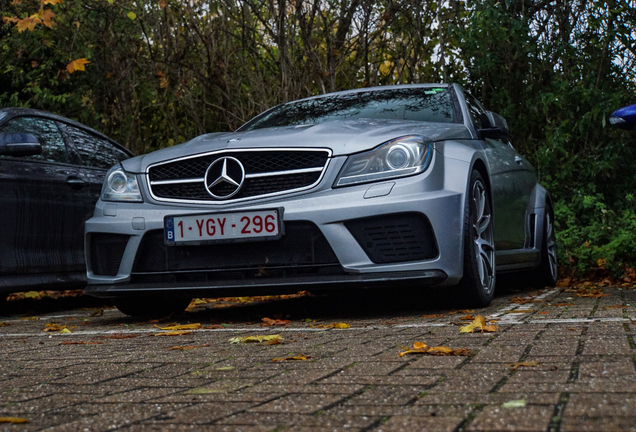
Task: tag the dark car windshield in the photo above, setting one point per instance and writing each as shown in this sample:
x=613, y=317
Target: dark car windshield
x=417, y=104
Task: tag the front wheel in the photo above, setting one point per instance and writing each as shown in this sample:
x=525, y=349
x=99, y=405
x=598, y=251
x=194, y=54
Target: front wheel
x=151, y=307
x=478, y=282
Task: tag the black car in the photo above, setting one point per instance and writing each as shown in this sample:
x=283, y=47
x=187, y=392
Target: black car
x=51, y=174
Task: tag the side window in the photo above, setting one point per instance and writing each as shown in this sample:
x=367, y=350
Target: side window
x=53, y=147
x=474, y=109
x=93, y=151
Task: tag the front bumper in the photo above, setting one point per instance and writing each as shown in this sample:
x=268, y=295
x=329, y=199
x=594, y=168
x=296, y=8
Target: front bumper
x=332, y=212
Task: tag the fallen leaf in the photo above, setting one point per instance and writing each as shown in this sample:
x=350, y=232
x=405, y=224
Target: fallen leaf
x=422, y=348
x=98, y=312
x=433, y=316
x=267, y=322
x=77, y=65
x=478, y=324
x=562, y=304
x=461, y=311
x=543, y=313
x=79, y=343
x=213, y=326
x=298, y=357
x=172, y=333
x=521, y=311
x=615, y=307
x=257, y=339
x=131, y=15
x=515, y=366
x=32, y=295
x=65, y=331
x=467, y=317
x=187, y=347
x=334, y=325
x=225, y=368
x=519, y=403
x=181, y=327
x=13, y=420
x=52, y=327
x=4, y=323
x=29, y=318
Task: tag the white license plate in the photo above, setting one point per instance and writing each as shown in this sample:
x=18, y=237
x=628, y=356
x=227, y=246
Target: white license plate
x=235, y=226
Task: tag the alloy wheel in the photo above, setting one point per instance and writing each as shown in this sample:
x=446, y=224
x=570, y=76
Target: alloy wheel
x=483, y=236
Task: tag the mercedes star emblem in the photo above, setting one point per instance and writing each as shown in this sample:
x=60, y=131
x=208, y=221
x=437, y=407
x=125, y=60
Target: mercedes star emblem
x=224, y=177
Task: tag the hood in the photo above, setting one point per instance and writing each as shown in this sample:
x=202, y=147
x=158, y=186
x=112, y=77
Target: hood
x=343, y=137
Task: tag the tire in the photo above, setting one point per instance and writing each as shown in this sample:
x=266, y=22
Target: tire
x=151, y=307
x=477, y=285
x=547, y=273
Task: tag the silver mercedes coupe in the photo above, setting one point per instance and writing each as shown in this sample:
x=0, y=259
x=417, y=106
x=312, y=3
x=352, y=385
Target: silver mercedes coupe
x=412, y=185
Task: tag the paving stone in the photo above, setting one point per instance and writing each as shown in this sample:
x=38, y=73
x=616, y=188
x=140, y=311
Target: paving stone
x=529, y=418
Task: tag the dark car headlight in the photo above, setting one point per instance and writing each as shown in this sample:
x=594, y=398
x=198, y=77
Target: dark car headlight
x=399, y=157
x=120, y=185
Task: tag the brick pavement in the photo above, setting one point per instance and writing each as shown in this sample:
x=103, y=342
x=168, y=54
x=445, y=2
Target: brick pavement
x=585, y=378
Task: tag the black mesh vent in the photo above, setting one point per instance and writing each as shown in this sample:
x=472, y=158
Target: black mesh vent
x=395, y=238
x=302, y=245
x=252, y=187
x=107, y=251
x=253, y=162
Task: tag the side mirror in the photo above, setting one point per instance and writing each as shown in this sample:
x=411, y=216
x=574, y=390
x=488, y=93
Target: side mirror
x=14, y=144
x=493, y=125
x=624, y=118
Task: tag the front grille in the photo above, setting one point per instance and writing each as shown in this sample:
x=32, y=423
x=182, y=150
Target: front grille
x=302, y=245
x=266, y=172
x=106, y=251
x=395, y=238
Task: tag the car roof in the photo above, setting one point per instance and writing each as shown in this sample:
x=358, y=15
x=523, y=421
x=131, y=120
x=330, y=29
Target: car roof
x=13, y=112
x=380, y=88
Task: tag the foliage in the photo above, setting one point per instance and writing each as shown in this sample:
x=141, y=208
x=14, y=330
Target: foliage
x=156, y=73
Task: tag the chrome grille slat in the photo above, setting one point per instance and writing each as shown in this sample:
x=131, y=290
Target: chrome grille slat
x=267, y=172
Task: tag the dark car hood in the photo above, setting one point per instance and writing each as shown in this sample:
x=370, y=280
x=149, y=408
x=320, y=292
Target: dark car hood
x=343, y=137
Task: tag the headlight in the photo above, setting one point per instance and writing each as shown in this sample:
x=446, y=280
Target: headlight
x=400, y=157
x=120, y=186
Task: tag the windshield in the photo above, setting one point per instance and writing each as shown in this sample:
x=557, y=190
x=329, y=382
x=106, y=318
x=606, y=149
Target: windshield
x=417, y=104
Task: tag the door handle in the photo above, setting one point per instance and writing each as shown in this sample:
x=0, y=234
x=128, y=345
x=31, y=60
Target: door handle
x=519, y=160
x=75, y=183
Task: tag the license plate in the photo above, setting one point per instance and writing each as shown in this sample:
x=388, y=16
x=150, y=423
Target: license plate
x=220, y=227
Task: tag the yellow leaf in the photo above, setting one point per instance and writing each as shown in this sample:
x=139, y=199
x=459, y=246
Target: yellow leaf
x=422, y=348
x=515, y=366
x=10, y=19
x=163, y=82
x=13, y=420
x=28, y=23
x=267, y=322
x=51, y=327
x=65, y=330
x=385, y=67
x=131, y=15
x=298, y=357
x=51, y=2
x=181, y=327
x=478, y=324
x=29, y=318
x=32, y=294
x=172, y=333
x=252, y=339
x=334, y=325
x=76, y=65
